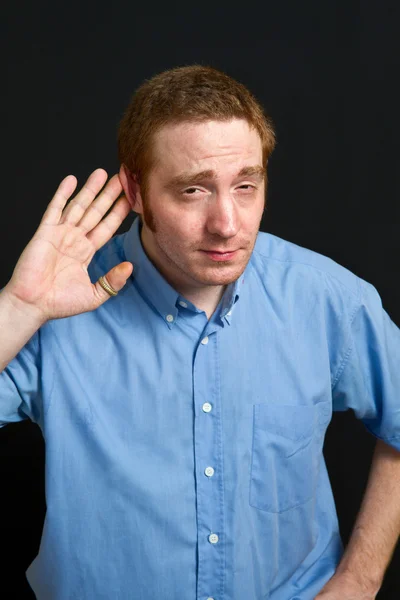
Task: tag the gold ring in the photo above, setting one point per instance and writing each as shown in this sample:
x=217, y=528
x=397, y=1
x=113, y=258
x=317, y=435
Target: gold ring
x=106, y=286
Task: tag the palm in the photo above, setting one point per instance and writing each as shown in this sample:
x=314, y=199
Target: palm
x=52, y=270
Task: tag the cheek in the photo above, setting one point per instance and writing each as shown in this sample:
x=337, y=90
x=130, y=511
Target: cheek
x=182, y=225
x=177, y=214
x=179, y=232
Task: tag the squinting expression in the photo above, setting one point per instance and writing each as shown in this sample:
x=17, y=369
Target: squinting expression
x=206, y=197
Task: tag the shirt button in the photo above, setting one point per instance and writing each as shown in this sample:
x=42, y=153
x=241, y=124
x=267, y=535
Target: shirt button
x=228, y=314
x=209, y=598
x=213, y=538
x=207, y=407
x=169, y=318
x=205, y=340
x=182, y=303
x=209, y=471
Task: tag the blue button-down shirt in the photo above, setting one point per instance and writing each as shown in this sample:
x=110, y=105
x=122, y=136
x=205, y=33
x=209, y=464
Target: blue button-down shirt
x=184, y=455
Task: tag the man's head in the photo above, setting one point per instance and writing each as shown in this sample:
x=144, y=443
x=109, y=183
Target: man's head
x=194, y=146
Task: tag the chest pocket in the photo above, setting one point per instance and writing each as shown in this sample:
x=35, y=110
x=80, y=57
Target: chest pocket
x=284, y=457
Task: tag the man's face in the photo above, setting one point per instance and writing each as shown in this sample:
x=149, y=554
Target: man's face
x=205, y=201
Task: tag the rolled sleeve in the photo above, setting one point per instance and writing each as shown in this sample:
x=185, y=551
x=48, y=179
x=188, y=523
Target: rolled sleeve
x=369, y=378
x=20, y=386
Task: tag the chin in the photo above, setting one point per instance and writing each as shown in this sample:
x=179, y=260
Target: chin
x=214, y=278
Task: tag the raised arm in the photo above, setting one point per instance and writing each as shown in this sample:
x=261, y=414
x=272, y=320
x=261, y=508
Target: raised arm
x=51, y=280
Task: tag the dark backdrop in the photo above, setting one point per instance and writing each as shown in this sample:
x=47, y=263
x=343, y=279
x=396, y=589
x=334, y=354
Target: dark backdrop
x=327, y=73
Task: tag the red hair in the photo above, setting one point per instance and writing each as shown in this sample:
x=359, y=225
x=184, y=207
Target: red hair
x=185, y=94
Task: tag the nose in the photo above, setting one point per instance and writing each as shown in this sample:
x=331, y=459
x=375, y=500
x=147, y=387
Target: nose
x=223, y=218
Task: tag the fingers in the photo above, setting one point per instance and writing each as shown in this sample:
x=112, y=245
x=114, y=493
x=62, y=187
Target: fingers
x=87, y=209
x=77, y=207
x=56, y=205
x=116, y=278
x=98, y=208
x=109, y=225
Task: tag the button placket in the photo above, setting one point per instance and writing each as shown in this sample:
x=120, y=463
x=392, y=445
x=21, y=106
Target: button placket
x=208, y=451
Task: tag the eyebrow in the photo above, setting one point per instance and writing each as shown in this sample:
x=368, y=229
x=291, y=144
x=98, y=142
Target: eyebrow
x=187, y=178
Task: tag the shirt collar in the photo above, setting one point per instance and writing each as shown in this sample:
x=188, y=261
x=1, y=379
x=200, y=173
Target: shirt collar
x=164, y=298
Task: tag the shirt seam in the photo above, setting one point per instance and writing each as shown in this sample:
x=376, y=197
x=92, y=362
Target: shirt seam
x=297, y=262
x=352, y=315
x=56, y=367
x=349, y=351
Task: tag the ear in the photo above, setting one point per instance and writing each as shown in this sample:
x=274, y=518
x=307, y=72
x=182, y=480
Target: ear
x=131, y=189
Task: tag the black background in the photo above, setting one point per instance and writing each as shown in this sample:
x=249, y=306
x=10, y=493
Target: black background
x=327, y=72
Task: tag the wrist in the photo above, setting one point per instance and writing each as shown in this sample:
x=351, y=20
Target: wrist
x=368, y=583
x=26, y=313
x=362, y=562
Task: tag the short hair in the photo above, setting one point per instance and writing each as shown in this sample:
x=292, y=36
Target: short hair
x=194, y=93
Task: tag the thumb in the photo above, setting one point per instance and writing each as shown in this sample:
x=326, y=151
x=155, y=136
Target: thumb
x=115, y=278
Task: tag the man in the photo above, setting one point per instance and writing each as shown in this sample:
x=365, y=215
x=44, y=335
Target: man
x=184, y=373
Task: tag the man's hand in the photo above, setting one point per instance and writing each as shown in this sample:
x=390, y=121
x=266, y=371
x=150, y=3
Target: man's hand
x=344, y=587
x=51, y=279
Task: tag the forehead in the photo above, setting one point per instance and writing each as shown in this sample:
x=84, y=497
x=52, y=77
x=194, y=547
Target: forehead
x=211, y=144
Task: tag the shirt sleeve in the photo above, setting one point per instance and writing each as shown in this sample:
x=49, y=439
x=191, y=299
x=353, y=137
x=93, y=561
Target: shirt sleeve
x=368, y=381
x=20, y=385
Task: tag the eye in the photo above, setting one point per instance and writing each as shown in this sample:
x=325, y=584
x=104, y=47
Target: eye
x=192, y=190
x=248, y=186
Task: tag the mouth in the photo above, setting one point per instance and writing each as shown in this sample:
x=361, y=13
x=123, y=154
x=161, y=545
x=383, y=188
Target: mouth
x=220, y=255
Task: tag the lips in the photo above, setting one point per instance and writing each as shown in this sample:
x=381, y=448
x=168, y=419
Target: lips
x=220, y=255
x=220, y=251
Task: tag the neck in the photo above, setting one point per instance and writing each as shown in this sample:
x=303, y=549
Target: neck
x=206, y=299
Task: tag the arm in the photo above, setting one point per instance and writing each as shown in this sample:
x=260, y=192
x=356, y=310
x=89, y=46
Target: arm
x=17, y=325
x=50, y=280
x=376, y=531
